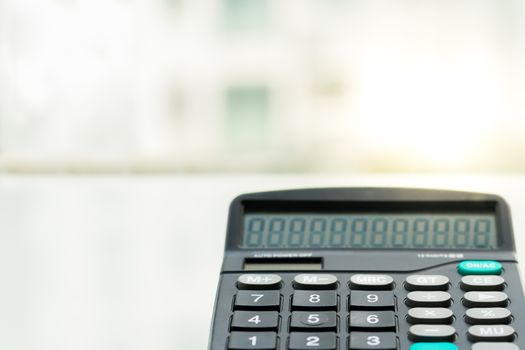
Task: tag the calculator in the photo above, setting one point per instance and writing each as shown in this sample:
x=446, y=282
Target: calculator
x=369, y=268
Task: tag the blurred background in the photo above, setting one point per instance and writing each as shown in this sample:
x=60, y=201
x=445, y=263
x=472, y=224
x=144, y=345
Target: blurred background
x=262, y=85
x=164, y=110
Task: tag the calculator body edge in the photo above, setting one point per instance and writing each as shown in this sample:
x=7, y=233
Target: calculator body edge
x=344, y=262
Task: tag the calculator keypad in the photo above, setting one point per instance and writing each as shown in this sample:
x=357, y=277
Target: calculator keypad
x=486, y=306
x=336, y=311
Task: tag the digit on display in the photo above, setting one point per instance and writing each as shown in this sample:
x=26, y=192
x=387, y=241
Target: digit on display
x=358, y=237
x=276, y=232
x=338, y=232
x=400, y=232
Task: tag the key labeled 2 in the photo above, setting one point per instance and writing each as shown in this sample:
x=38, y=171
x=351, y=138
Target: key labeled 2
x=305, y=341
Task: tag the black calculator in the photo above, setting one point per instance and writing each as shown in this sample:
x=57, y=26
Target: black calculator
x=369, y=268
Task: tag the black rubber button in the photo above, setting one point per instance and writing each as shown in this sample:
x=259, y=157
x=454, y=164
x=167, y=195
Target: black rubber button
x=321, y=300
x=252, y=340
x=375, y=340
x=257, y=300
x=306, y=341
x=318, y=320
x=267, y=320
x=372, y=300
x=372, y=320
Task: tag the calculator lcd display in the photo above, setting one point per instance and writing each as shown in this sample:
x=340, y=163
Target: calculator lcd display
x=369, y=231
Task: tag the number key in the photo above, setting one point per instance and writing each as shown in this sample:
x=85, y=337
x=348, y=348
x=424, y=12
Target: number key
x=376, y=340
x=325, y=300
x=372, y=319
x=305, y=341
x=257, y=300
x=326, y=320
x=255, y=319
x=248, y=340
x=375, y=300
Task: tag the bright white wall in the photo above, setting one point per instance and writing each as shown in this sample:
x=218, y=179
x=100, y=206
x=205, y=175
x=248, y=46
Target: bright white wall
x=358, y=85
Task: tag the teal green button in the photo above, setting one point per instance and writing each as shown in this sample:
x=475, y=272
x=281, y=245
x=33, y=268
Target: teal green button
x=479, y=267
x=433, y=346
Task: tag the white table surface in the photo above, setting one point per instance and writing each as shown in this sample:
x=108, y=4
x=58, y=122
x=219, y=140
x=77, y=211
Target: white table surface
x=132, y=262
